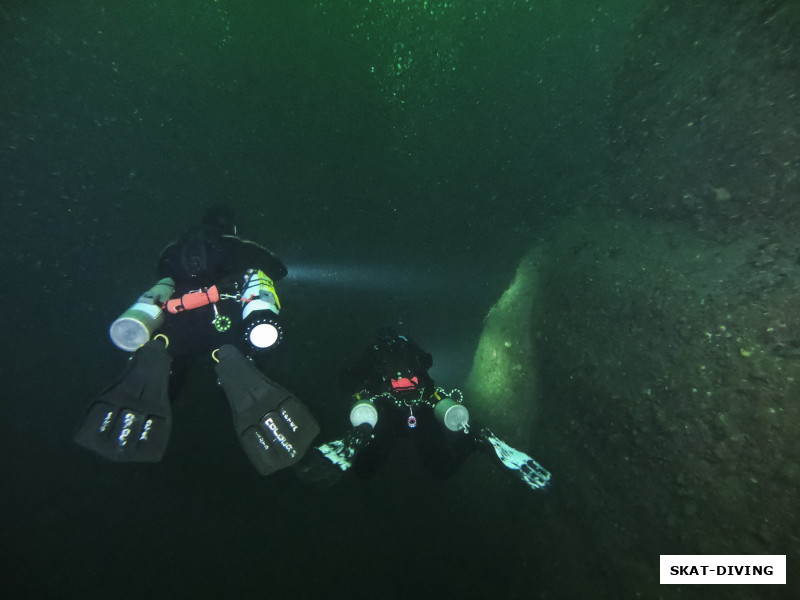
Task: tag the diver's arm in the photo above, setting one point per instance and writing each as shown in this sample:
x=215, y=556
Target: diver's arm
x=532, y=474
x=250, y=255
x=325, y=464
x=453, y=415
x=343, y=453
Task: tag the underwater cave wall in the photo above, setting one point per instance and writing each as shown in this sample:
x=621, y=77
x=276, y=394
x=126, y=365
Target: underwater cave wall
x=669, y=336
x=667, y=412
x=704, y=109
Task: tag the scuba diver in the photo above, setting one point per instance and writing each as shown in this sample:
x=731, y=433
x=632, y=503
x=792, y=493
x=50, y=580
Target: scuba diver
x=215, y=296
x=392, y=393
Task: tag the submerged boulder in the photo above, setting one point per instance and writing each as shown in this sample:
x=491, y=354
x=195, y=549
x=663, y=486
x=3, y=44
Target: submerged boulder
x=504, y=380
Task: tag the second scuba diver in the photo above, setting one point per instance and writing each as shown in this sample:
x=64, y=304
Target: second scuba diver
x=392, y=392
x=215, y=297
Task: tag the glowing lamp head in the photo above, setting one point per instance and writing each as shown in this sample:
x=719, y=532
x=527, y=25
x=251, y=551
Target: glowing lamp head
x=263, y=334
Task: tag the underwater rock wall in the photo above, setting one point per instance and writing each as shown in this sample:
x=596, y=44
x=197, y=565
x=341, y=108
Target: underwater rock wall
x=670, y=421
x=654, y=372
x=660, y=326
x=704, y=115
x=669, y=330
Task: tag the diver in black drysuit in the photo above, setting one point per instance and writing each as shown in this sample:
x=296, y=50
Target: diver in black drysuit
x=205, y=256
x=392, y=395
x=211, y=254
x=215, y=297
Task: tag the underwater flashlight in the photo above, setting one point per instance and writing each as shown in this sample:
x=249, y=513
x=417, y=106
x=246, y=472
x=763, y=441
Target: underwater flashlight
x=264, y=332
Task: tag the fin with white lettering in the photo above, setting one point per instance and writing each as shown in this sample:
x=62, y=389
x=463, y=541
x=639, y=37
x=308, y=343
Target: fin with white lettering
x=131, y=420
x=274, y=428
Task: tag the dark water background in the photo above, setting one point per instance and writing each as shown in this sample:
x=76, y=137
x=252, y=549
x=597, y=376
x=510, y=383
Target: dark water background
x=401, y=157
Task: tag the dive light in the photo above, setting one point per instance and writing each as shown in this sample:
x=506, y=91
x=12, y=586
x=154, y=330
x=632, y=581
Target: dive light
x=260, y=312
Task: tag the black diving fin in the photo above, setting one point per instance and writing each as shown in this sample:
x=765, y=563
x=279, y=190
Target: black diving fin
x=131, y=420
x=274, y=428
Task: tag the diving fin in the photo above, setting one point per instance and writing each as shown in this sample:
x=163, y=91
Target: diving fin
x=274, y=428
x=131, y=420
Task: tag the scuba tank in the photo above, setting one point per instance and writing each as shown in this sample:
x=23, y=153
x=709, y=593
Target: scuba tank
x=133, y=328
x=453, y=415
x=363, y=412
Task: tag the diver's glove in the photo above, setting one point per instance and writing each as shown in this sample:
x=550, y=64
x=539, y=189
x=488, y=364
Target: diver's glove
x=315, y=469
x=342, y=452
x=534, y=475
x=363, y=417
x=323, y=466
